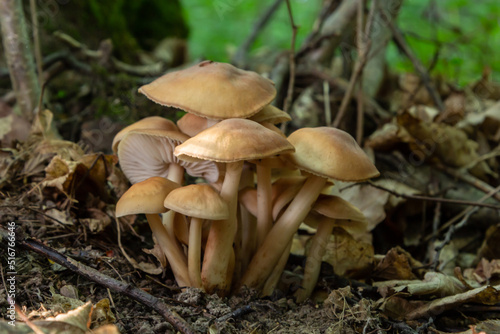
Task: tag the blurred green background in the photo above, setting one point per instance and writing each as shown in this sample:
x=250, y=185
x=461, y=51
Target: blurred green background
x=466, y=33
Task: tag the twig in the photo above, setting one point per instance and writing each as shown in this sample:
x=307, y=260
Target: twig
x=424, y=75
x=436, y=199
x=239, y=58
x=39, y=212
x=108, y=282
x=236, y=313
x=461, y=214
x=291, y=80
x=363, y=50
x=473, y=181
x=36, y=41
x=326, y=97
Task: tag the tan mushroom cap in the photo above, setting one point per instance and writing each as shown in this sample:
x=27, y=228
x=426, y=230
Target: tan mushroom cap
x=191, y=124
x=199, y=201
x=271, y=114
x=233, y=140
x=213, y=90
x=341, y=212
x=330, y=153
x=153, y=122
x=145, y=197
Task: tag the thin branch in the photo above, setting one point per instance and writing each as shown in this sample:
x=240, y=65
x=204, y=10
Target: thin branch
x=108, y=282
x=239, y=58
x=419, y=67
x=363, y=46
x=291, y=82
x=36, y=41
x=461, y=214
x=435, y=199
x=473, y=181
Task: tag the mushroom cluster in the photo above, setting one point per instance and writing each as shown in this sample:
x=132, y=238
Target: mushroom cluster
x=235, y=226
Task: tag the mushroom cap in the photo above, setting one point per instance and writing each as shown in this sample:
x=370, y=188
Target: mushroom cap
x=191, y=124
x=271, y=114
x=145, y=197
x=199, y=201
x=149, y=152
x=339, y=212
x=233, y=140
x=213, y=90
x=153, y=122
x=330, y=153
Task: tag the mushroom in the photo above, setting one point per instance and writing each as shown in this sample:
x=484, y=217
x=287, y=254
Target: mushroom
x=323, y=152
x=328, y=211
x=153, y=122
x=212, y=90
x=200, y=202
x=147, y=197
x=231, y=142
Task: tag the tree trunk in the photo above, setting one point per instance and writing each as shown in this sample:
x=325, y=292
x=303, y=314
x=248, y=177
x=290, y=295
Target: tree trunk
x=19, y=56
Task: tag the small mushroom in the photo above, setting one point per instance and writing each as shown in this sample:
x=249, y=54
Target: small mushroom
x=328, y=211
x=200, y=202
x=147, y=197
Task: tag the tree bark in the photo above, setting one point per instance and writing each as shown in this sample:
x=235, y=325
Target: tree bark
x=19, y=56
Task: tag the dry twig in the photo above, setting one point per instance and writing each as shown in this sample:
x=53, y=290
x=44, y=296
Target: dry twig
x=239, y=58
x=108, y=282
x=419, y=67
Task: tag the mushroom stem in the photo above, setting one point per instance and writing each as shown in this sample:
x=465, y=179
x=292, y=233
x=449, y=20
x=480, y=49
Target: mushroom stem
x=175, y=173
x=219, y=249
x=275, y=276
x=313, y=262
x=264, y=203
x=173, y=253
x=282, y=232
x=194, y=252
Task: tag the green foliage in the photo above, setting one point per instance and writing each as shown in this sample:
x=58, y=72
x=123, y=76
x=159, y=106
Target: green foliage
x=219, y=27
x=466, y=33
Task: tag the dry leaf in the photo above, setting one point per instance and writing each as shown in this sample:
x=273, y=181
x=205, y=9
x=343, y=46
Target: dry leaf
x=484, y=295
x=394, y=266
x=347, y=256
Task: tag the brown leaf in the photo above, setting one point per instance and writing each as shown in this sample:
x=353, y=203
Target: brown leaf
x=394, y=266
x=347, y=256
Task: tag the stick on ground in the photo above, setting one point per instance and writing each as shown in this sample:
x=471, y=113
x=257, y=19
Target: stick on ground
x=108, y=282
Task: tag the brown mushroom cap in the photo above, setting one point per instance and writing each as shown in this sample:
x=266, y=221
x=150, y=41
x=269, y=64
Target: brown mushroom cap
x=197, y=200
x=191, y=124
x=271, y=114
x=145, y=197
x=339, y=212
x=148, y=152
x=232, y=140
x=153, y=122
x=213, y=90
x=330, y=153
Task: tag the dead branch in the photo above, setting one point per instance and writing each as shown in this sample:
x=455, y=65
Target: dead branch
x=108, y=282
x=435, y=199
x=417, y=64
x=240, y=56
